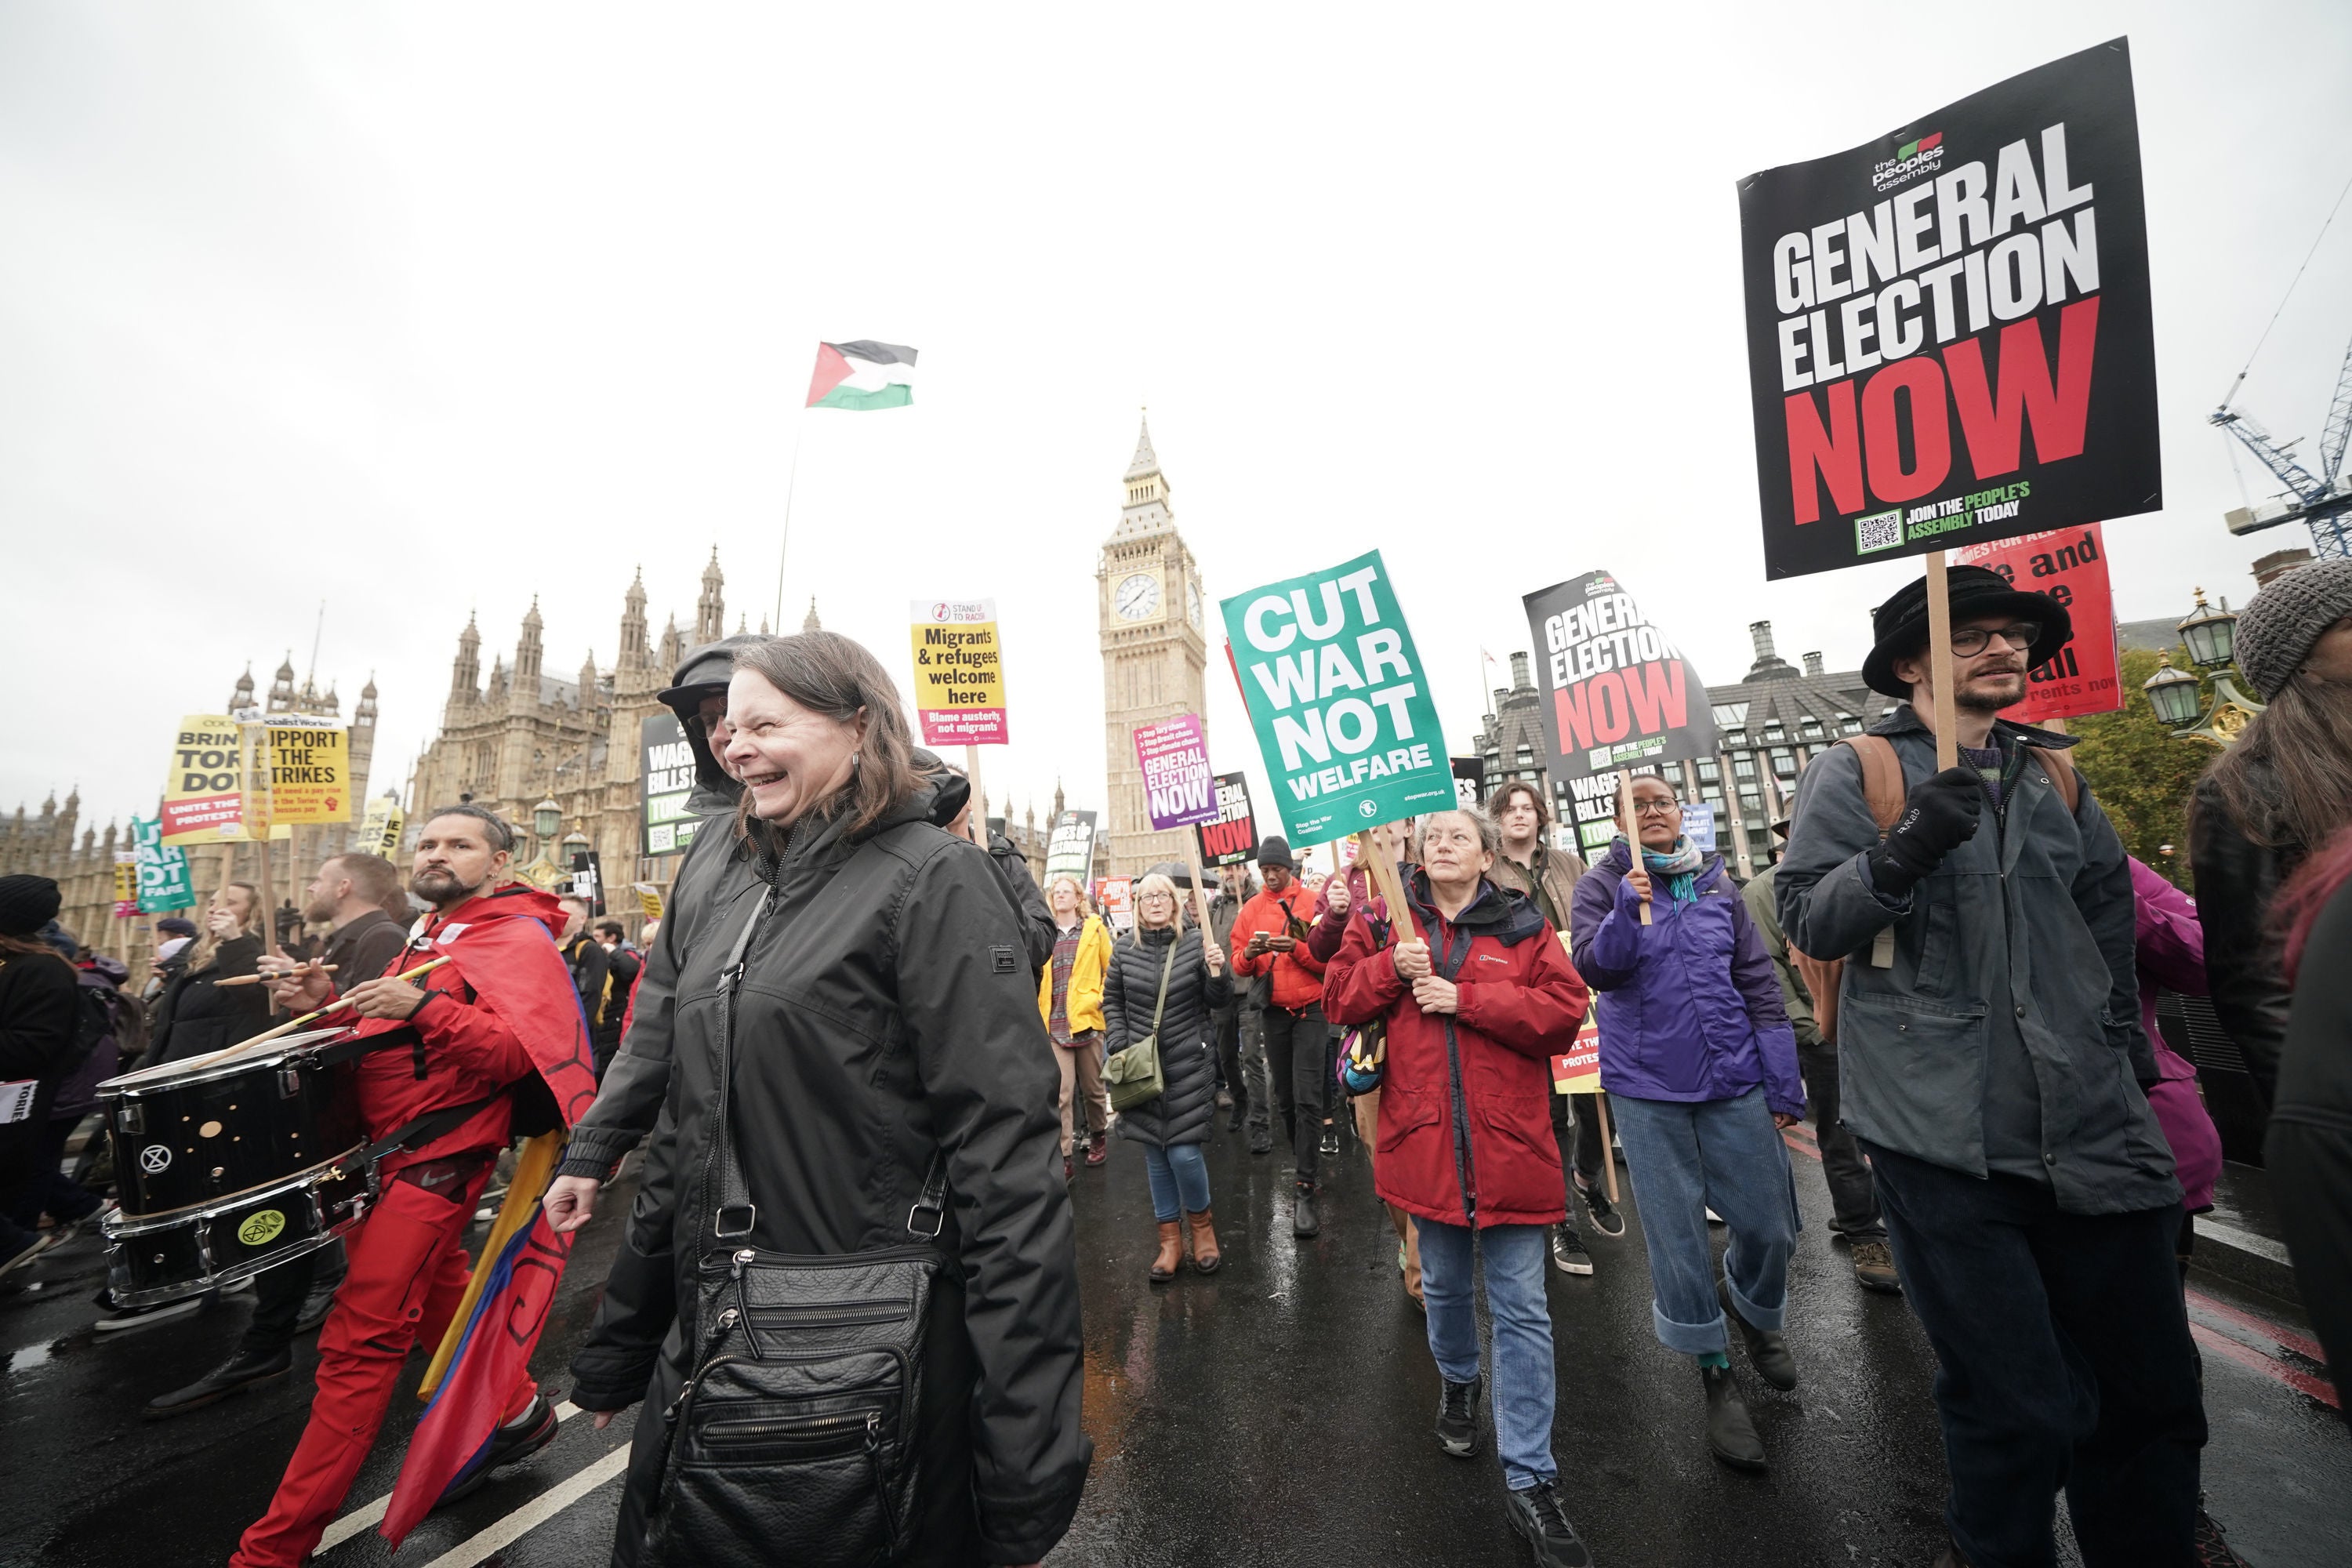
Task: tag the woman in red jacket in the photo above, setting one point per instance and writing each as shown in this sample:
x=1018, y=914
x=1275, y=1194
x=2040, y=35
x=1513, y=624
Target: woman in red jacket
x=1474, y=1007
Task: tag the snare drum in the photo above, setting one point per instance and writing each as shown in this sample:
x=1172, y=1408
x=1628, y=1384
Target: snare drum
x=229, y=1168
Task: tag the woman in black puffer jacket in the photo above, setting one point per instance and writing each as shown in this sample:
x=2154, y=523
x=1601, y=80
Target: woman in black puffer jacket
x=1172, y=1126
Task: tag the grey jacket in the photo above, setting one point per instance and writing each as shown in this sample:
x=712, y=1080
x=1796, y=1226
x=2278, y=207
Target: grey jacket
x=2011, y=1000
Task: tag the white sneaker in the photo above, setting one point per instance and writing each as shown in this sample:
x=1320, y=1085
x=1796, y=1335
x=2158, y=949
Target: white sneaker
x=136, y=1317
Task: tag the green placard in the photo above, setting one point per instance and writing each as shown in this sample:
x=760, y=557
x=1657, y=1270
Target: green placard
x=1337, y=696
x=163, y=883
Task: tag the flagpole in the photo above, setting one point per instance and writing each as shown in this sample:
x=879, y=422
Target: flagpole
x=792, y=482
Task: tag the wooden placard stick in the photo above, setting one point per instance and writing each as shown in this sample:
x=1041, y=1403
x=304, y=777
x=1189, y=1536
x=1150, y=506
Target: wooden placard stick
x=1633, y=826
x=269, y=905
x=1939, y=662
x=1199, y=888
x=1384, y=877
x=979, y=797
x=1608, y=1156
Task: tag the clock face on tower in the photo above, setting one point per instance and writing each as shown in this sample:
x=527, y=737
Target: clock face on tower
x=1192, y=603
x=1137, y=597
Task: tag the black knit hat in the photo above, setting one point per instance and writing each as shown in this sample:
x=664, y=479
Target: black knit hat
x=1274, y=849
x=27, y=904
x=1899, y=626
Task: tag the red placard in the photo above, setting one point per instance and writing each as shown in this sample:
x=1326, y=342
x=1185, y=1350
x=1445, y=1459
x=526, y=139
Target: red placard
x=2071, y=566
x=1579, y=1070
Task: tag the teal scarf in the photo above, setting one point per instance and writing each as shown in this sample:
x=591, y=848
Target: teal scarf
x=1679, y=867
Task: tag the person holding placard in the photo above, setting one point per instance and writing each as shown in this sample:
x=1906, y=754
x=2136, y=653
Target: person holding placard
x=1272, y=933
x=1474, y=1007
x=1070, y=997
x=1993, y=1065
x=1700, y=1067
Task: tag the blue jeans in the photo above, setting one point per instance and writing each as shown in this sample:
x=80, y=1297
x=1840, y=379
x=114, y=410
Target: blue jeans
x=2062, y=1359
x=1686, y=1157
x=1525, y=1374
x=1178, y=1174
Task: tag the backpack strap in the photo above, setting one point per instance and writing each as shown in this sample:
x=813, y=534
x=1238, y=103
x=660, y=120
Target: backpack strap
x=1882, y=778
x=2060, y=765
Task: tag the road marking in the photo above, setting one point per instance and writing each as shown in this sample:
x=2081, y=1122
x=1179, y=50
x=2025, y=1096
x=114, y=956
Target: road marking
x=2245, y=1355
x=2253, y=1322
x=533, y=1514
x=2245, y=1241
x=1802, y=1146
x=368, y=1518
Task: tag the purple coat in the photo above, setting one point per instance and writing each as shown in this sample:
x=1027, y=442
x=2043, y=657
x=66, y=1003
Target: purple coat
x=1689, y=1007
x=2172, y=956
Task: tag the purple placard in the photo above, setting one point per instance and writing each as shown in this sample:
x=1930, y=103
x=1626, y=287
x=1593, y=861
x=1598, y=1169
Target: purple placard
x=1178, y=789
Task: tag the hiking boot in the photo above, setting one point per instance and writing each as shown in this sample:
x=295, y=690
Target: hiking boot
x=1874, y=1268
x=1729, y=1433
x=1536, y=1514
x=1303, y=1222
x=235, y=1375
x=1261, y=1141
x=1206, y=1254
x=1767, y=1349
x=1171, y=1252
x=1097, y=1152
x=534, y=1430
x=1606, y=1219
x=1568, y=1254
x=1458, y=1416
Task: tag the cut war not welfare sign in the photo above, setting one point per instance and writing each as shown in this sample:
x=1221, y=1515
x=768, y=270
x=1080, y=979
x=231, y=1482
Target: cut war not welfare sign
x=1336, y=694
x=1616, y=693
x=958, y=673
x=1949, y=336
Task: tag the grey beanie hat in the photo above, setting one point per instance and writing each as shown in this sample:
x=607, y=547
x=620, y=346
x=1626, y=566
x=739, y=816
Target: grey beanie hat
x=2276, y=631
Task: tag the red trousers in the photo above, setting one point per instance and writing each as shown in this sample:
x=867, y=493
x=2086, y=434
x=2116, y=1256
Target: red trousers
x=408, y=1269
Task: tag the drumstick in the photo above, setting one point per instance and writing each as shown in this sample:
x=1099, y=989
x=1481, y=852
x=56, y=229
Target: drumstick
x=291, y=1024
x=300, y=969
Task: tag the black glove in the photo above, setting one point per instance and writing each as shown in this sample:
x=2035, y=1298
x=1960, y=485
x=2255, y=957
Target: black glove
x=1938, y=816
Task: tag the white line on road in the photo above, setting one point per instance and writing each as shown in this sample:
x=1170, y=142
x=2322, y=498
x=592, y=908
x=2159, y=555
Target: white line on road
x=368, y=1518
x=538, y=1511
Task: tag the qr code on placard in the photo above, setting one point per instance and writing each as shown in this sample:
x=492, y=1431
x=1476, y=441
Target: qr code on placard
x=1880, y=530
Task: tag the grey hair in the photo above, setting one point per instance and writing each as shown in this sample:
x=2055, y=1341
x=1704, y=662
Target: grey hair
x=501, y=835
x=1490, y=835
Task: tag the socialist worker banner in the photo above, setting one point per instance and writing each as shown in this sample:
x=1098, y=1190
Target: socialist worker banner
x=1949, y=337
x=2071, y=566
x=1340, y=702
x=1616, y=693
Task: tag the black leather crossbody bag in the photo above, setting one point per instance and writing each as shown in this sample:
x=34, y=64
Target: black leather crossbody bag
x=794, y=1439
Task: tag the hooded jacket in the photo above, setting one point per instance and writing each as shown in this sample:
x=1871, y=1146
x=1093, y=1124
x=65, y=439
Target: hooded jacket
x=1183, y=1109
x=1089, y=967
x=2012, y=978
x=1466, y=1131
x=196, y=1016
x=1690, y=1008
x=885, y=1012
x=1298, y=974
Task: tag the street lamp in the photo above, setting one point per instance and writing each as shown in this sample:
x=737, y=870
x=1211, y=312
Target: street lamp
x=2211, y=637
x=546, y=819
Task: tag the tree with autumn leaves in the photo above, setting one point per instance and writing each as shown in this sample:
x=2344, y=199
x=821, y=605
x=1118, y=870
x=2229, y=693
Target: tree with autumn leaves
x=2139, y=773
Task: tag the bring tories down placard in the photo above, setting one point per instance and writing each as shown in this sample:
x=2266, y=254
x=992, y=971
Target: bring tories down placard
x=1948, y=332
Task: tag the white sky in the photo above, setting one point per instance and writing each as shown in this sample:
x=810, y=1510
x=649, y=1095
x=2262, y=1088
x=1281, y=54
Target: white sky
x=430, y=307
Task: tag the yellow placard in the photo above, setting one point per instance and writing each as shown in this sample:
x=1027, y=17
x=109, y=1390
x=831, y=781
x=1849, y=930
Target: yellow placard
x=958, y=673
x=309, y=770
x=204, y=788
x=650, y=900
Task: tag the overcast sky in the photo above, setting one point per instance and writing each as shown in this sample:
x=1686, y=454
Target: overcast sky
x=420, y=309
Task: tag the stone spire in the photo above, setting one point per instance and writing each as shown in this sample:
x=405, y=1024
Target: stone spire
x=364, y=713
x=281, y=690
x=527, y=651
x=243, y=696
x=809, y=623
x=632, y=625
x=711, y=608
x=673, y=646
x=1145, y=509
x=1147, y=461
x=466, y=674
x=587, y=700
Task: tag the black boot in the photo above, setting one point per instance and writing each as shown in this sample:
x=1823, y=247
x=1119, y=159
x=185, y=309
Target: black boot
x=1261, y=1141
x=1303, y=1222
x=1767, y=1349
x=1536, y=1514
x=235, y=1375
x=1458, y=1416
x=1240, y=1111
x=1729, y=1432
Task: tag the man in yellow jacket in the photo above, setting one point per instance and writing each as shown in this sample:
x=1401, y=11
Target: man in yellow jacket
x=1070, y=997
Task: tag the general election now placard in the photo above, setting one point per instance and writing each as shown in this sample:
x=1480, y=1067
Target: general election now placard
x=1231, y=839
x=1948, y=332
x=1616, y=693
x=1338, y=696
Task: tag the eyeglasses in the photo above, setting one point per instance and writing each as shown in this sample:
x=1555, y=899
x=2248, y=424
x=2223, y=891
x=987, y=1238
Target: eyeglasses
x=1657, y=807
x=1969, y=641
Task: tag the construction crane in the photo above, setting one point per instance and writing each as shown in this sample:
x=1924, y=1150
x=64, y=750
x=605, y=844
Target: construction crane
x=2321, y=499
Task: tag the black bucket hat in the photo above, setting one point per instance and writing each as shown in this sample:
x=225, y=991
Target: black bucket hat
x=1899, y=626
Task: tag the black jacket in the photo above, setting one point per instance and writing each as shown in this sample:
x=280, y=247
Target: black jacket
x=886, y=1011
x=38, y=1014
x=591, y=967
x=2235, y=879
x=364, y=949
x=2309, y=1150
x=199, y=1017
x=1037, y=928
x=1183, y=1111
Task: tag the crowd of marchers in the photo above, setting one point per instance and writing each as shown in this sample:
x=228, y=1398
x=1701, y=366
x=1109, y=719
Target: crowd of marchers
x=864, y=1061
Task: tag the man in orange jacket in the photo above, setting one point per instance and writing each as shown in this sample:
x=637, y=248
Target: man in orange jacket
x=1270, y=937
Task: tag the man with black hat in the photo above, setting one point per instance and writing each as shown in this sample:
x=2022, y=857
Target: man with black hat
x=1270, y=936
x=1992, y=1065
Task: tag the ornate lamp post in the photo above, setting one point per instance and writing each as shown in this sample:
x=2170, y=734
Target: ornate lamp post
x=2210, y=637
x=575, y=844
x=546, y=819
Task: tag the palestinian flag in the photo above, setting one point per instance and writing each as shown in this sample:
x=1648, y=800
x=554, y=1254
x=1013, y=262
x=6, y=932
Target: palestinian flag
x=862, y=375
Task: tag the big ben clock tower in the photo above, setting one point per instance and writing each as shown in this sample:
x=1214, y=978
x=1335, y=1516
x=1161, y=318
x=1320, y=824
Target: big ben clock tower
x=1153, y=614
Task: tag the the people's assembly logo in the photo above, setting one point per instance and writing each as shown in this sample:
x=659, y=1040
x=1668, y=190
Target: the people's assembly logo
x=1923, y=156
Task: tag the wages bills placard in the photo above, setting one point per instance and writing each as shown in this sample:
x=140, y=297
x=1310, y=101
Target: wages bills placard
x=1949, y=337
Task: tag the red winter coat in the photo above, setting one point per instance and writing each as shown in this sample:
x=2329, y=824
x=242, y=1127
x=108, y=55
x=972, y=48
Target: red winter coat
x=1298, y=973
x=1482, y=1153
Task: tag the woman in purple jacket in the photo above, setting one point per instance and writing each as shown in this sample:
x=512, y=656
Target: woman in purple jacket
x=2171, y=952
x=1700, y=1067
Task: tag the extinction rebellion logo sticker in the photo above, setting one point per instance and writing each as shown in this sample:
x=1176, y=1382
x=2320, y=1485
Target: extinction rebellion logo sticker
x=1923, y=156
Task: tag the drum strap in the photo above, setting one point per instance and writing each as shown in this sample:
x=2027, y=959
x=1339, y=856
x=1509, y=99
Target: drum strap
x=420, y=1131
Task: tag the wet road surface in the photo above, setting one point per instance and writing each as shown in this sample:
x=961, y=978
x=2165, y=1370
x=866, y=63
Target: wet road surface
x=1275, y=1412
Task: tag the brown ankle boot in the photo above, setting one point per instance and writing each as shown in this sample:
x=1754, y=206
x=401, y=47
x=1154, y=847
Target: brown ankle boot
x=1206, y=1254
x=1171, y=1251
